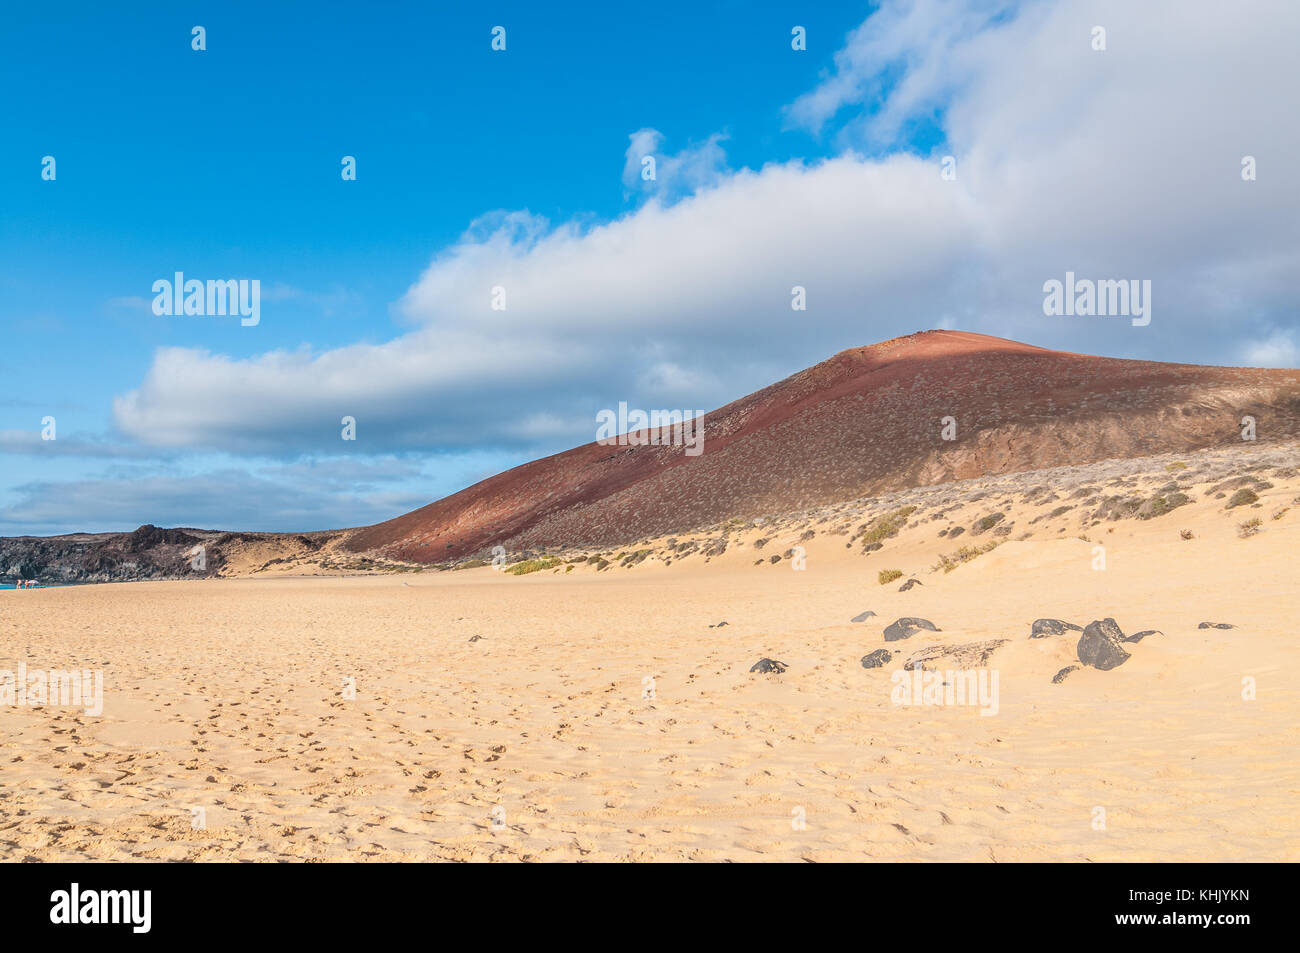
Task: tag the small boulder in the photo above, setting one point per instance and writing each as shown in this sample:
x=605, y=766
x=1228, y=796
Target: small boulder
x=967, y=656
x=907, y=627
x=1060, y=676
x=909, y=584
x=1216, y=625
x=876, y=659
x=862, y=616
x=1042, y=628
x=1099, y=646
x=1139, y=636
x=766, y=666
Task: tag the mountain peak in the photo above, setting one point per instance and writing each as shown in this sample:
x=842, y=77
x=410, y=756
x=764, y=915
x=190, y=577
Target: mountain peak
x=920, y=409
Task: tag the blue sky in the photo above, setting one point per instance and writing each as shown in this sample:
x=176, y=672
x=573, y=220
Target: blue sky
x=478, y=167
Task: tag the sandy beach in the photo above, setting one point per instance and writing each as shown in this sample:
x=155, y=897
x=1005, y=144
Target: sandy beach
x=605, y=715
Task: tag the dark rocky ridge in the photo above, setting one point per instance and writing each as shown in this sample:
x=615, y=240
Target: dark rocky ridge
x=149, y=552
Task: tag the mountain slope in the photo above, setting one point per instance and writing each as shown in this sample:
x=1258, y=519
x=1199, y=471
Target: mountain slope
x=867, y=420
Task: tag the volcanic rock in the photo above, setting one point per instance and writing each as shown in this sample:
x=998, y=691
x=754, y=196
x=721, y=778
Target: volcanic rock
x=1099, y=646
x=907, y=627
x=1042, y=628
x=877, y=658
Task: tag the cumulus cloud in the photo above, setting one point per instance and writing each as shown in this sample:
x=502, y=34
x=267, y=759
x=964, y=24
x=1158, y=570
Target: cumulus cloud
x=1122, y=164
x=589, y=312
x=909, y=60
x=667, y=174
x=1278, y=349
x=435, y=387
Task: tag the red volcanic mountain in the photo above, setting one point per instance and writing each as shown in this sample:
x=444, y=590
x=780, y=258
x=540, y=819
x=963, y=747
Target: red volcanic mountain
x=868, y=420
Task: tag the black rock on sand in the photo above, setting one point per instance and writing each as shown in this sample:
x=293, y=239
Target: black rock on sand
x=1042, y=628
x=1216, y=625
x=1139, y=636
x=1059, y=677
x=765, y=666
x=876, y=659
x=1099, y=646
x=970, y=655
x=862, y=616
x=907, y=627
x=909, y=584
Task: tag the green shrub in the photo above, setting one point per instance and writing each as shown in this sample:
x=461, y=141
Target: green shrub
x=534, y=565
x=965, y=555
x=1242, y=497
x=1160, y=505
x=887, y=525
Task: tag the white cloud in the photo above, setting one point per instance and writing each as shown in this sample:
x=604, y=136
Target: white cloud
x=1116, y=164
x=1278, y=349
x=671, y=380
x=589, y=312
x=906, y=60
x=694, y=168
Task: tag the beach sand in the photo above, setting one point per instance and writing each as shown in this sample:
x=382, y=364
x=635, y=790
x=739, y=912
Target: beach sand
x=600, y=717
